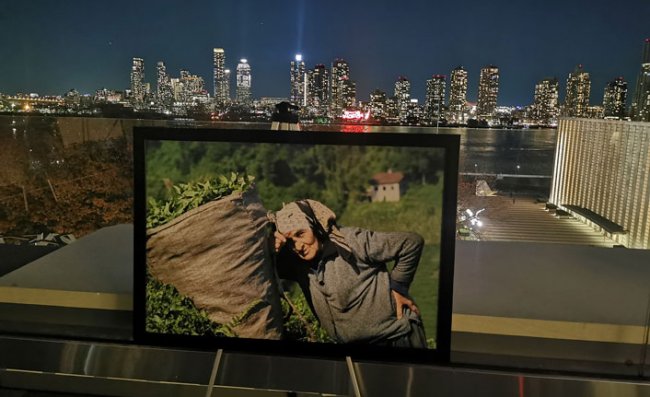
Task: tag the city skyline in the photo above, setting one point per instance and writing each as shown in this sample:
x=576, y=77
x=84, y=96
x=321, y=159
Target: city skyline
x=57, y=46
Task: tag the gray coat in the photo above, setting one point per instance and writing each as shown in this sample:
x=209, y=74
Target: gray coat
x=351, y=294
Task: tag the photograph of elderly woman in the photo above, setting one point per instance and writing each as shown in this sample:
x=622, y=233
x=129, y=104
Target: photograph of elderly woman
x=315, y=243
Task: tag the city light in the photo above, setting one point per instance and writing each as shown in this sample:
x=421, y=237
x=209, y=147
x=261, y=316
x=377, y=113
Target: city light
x=355, y=115
x=324, y=94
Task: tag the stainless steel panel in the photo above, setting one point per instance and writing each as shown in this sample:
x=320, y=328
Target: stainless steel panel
x=87, y=385
x=130, y=370
x=607, y=359
x=284, y=373
x=106, y=360
x=410, y=380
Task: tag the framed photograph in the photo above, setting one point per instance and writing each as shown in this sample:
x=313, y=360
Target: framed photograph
x=295, y=243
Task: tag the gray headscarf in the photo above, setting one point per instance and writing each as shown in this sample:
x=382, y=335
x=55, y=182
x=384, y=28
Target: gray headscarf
x=310, y=214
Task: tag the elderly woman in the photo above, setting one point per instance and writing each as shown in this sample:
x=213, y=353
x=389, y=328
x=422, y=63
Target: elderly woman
x=343, y=274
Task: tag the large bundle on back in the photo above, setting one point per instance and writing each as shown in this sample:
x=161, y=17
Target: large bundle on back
x=219, y=255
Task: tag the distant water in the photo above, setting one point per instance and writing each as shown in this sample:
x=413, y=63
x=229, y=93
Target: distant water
x=490, y=151
x=486, y=150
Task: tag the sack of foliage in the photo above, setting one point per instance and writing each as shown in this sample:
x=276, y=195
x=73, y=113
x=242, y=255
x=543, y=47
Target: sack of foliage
x=219, y=255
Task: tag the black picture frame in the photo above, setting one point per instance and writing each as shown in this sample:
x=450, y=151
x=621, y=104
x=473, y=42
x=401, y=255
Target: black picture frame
x=440, y=354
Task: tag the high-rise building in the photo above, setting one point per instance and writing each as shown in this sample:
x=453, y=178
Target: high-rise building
x=244, y=82
x=391, y=109
x=458, y=95
x=318, y=89
x=641, y=104
x=164, y=92
x=193, y=84
x=434, y=102
x=340, y=73
x=298, y=91
x=349, y=93
x=601, y=176
x=413, y=112
x=138, y=90
x=402, y=97
x=378, y=104
x=545, y=109
x=614, y=98
x=221, y=78
x=578, y=89
x=488, y=90
x=187, y=87
x=226, y=85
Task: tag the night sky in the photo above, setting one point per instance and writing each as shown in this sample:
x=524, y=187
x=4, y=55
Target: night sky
x=50, y=46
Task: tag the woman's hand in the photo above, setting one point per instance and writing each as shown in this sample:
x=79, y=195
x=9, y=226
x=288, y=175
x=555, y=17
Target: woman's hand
x=401, y=301
x=280, y=241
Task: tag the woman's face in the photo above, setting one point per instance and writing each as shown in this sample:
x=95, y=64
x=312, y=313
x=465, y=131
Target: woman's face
x=304, y=243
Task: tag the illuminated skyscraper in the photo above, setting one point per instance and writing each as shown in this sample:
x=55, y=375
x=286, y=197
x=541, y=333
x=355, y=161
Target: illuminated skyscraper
x=244, y=82
x=187, y=86
x=318, y=88
x=164, y=92
x=378, y=104
x=545, y=106
x=340, y=74
x=641, y=105
x=434, y=102
x=138, y=90
x=298, y=89
x=221, y=83
x=578, y=89
x=458, y=95
x=614, y=98
x=226, y=85
x=349, y=93
x=488, y=90
x=402, y=97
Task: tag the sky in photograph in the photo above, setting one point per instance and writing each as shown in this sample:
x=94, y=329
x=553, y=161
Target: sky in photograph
x=49, y=47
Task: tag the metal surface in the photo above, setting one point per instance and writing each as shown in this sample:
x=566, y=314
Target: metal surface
x=285, y=373
x=106, y=360
x=130, y=370
x=386, y=380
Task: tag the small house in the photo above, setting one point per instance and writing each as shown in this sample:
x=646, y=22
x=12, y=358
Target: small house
x=386, y=186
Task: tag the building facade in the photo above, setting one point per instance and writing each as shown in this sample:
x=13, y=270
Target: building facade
x=377, y=104
x=386, y=186
x=402, y=95
x=546, y=108
x=318, y=88
x=349, y=93
x=164, y=91
x=186, y=87
x=601, y=176
x=578, y=89
x=221, y=78
x=244, y=82
x=340, y=73
x=138, y=89
x=458, y=95
x=614, y=99
x=488, y=91
x=641, y=104
x=298, y=82
x=434, y=102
